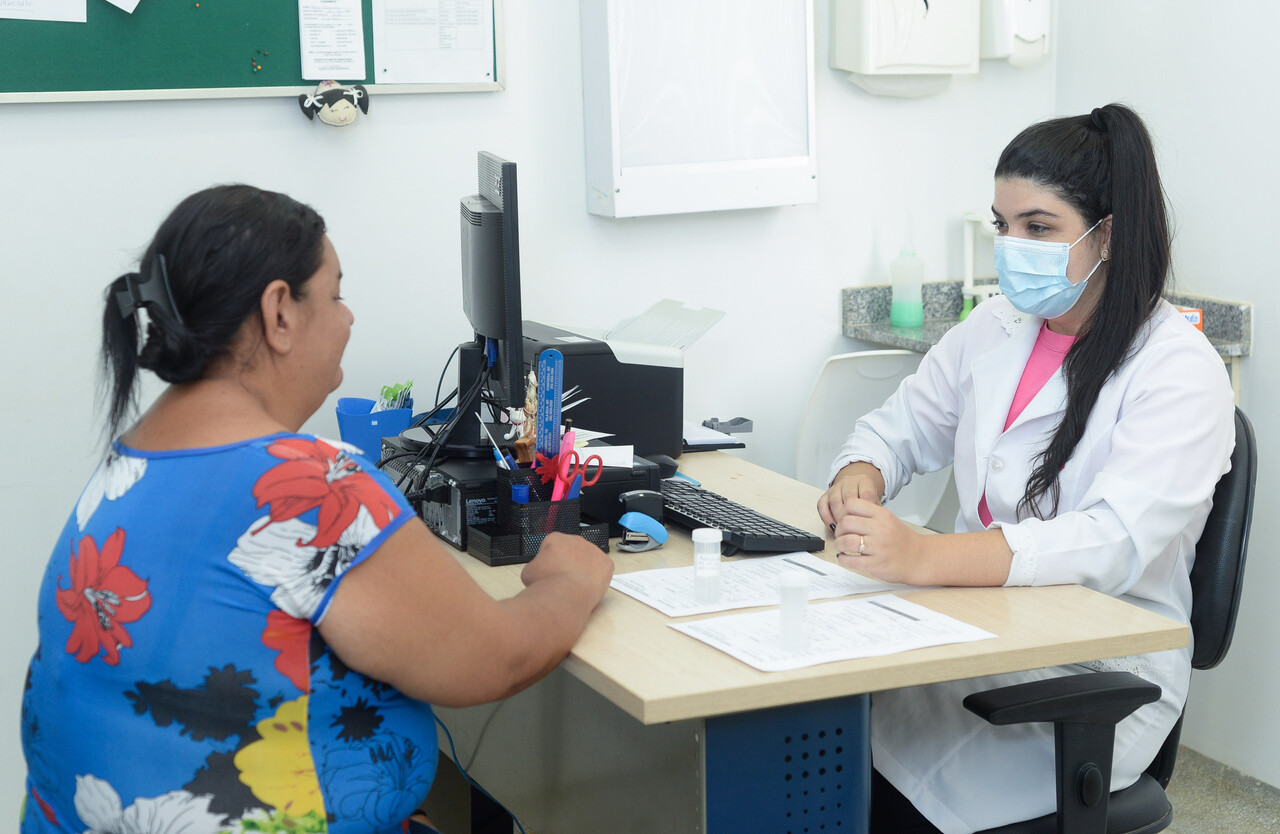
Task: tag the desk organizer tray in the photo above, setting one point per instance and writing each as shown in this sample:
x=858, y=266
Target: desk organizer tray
x=519, y=528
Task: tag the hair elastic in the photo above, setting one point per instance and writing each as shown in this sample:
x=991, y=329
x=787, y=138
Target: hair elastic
x=154, y=290
x=1096, y=118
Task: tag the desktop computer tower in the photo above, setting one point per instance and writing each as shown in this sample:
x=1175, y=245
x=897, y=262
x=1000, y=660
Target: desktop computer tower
x=461, y=493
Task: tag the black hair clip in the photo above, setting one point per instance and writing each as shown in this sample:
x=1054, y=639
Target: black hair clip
x=1096, y=117
x=154, y=290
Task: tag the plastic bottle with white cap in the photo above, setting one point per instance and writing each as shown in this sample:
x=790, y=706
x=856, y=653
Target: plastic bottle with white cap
x=906, y=272
x=706, y=565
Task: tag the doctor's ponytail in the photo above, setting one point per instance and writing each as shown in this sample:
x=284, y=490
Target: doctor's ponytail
x=1102, y=164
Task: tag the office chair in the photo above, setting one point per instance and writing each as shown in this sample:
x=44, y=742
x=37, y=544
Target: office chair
x=849, y=386
x=1085, y=708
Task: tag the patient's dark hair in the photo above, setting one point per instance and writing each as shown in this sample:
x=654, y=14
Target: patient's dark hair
x=1101, y=163
x=221, y=247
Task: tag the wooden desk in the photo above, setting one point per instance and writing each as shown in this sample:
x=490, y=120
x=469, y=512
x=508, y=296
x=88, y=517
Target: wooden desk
x=645, y=729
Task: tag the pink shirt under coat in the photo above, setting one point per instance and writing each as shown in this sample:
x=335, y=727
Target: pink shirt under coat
x=1046, y=358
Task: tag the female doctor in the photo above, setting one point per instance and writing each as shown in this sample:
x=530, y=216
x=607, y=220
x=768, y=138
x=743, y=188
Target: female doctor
x=1088, y=424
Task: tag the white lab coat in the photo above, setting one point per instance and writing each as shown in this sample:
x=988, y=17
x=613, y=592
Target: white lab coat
x=1135, y=495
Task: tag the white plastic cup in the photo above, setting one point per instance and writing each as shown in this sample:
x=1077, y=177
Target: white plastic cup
x=706, y=565
x=793, y=590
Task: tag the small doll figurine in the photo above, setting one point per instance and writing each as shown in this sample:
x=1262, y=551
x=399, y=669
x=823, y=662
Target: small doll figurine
x=516, y=418
x=529, y=424
x=335, y=104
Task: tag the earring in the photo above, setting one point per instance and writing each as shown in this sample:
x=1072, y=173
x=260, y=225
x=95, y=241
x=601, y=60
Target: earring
x=1106, y=254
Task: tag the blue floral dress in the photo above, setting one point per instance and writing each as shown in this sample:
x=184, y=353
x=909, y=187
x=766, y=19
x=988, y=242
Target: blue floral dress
x=181, y=684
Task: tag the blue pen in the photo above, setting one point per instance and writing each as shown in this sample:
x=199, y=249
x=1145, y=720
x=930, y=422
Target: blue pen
x=505, y=461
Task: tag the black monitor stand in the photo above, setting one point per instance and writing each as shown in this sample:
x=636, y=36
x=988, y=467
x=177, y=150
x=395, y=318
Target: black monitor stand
x=466, y=440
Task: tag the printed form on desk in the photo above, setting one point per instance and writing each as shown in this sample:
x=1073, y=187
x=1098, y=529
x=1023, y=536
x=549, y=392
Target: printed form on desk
x=744, y=584
x=834, y=631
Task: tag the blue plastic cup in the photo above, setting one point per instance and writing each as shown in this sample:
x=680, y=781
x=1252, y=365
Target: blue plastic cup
x=364, y=428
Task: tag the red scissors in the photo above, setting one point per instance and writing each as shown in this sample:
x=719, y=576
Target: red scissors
x=571, y=470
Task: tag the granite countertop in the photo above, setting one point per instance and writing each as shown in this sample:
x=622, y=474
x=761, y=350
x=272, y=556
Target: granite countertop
x=865, y=316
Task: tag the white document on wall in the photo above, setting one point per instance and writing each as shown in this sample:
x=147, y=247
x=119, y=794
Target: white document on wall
x=834, y=631
x=64, y=11
x=743, y=584
x=127, y=5
x=433, y=41
x=332, y=36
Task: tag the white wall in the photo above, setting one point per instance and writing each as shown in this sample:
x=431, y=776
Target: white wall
x=86, y=185
x=1199, y=75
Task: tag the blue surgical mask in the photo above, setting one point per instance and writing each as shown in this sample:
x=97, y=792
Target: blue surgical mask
x=1033, y=274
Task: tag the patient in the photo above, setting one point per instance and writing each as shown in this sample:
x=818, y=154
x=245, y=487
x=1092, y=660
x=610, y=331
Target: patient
x=1088, y=424
x=242, y=627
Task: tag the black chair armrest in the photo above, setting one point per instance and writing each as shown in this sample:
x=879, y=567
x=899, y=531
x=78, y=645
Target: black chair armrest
x=1090, y=698
x=1084, y=710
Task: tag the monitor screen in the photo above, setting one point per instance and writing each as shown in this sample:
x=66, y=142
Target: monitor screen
x=490, y=296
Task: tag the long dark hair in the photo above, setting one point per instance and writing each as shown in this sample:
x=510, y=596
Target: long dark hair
x=221, y=247
x=1101, y=164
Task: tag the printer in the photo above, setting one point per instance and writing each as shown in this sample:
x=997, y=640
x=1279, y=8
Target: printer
x=635, y=391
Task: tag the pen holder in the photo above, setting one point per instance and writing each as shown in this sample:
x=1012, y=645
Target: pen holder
x=364, y=428
x=520, y=527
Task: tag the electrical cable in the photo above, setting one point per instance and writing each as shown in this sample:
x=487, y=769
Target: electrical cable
x=419, y=421
x=454, y=754
x=484, y=728
x=416, y=492
x=422, y=418
x=440, y=381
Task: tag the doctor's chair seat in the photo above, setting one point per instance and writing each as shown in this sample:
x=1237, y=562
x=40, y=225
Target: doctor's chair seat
x=1085, y=708
x=849, y=386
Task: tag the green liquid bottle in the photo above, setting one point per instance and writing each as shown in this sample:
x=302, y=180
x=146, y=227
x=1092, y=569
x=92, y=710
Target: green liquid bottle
x=906, y=272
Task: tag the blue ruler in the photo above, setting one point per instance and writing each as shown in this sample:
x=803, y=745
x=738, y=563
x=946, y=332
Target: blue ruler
x=550, y=386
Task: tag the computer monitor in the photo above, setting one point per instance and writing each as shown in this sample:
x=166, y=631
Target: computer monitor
x=491, y=301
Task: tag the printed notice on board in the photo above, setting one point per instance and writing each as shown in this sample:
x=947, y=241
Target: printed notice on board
x=432, y=41
x=332, y=35
x=66, y=11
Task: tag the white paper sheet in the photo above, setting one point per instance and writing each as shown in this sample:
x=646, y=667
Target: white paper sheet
x=585, y=436
x=127, y=5
x=834, y=630
x=332, y=36
x=743, y=584
x=66, y=11
x=432, y=41
x=620, y=456
x=667, y=323
x=696, y=434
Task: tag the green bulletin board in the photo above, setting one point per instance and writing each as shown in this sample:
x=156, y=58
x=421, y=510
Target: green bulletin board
x=178, y=49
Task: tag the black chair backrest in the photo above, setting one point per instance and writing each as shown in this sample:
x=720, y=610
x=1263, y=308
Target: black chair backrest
x=1218, y=573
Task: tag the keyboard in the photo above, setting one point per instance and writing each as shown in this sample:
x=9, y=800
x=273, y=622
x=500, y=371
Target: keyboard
x=744, y=529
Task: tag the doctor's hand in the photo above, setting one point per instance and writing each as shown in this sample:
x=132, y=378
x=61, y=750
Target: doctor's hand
x=871, y=539
x=857, y=481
